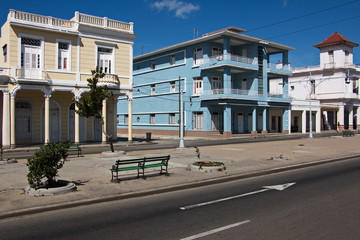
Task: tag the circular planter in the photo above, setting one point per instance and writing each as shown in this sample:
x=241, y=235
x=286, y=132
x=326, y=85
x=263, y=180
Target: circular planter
x=113, y=154
x=64, y=187
x=206, y=166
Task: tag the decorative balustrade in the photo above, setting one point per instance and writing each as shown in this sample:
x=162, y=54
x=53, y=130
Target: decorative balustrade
x=29, y=17
x=79, y=18
x=104, y=22
x=109, y=79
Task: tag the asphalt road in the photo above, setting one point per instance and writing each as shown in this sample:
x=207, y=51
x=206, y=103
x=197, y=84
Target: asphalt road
x=320, y=203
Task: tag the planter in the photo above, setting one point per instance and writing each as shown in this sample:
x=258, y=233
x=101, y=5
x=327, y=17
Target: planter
x=207, y=166
x=61, y=187
x=113, y=154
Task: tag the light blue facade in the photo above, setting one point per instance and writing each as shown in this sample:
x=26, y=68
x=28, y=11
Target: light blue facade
x=224, y=77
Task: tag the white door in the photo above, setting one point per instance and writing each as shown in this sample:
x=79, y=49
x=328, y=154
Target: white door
x=240, y=123
x=31, y=62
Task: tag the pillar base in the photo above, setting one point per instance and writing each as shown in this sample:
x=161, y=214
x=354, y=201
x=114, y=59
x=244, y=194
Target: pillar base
x=253, y=132
x=285, y=132
x=264, y=132
x=226, y=134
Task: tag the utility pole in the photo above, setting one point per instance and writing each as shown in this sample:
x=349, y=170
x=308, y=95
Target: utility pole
x=181, y=118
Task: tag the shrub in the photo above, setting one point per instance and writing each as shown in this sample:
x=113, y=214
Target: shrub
x=46, y=162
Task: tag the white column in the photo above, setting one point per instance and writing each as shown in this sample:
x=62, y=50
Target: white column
x=351, y=117
x=115, y=117
x=318, y=121
x=303, y=121
x=340, y=116
x=6, y=120
x=77, y=125
x=12, y=119
x=103, y=136
x=47, y=119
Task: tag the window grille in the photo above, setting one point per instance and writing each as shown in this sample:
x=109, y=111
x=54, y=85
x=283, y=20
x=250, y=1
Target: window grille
x=31, y=41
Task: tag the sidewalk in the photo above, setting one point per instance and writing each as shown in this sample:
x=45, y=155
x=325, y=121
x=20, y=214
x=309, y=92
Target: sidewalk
x=92, y=173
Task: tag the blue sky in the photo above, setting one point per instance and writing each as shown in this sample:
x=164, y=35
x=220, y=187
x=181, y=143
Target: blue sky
x=161, y=23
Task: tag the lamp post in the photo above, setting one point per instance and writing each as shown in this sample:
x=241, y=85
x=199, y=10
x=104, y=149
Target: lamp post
x=181, y=117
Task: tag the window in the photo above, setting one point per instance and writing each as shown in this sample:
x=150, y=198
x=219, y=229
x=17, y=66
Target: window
x=126, y=118
x=105, y=58
x=172, y=119
x=172, y=87
x=5, y=52
x=152, y=89
x=63, y=55
x=152, y=118
x=197, y=120
x=198, y=86
x=152, y=64
x=198, y=56
x=215, y=51
x=312, y=86
x=172, y=59
x=216, y=83
x=331, y=56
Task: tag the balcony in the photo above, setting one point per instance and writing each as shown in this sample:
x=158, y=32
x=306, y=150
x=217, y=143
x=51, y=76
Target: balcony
x=70, y=25
x=236, y=94
x=279, y=69
x=109, y=79
x=232, y=60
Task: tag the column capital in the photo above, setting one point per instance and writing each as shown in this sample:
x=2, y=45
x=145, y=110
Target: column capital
x=14, y=91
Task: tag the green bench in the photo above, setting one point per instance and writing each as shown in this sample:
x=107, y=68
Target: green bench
x=139, y=164
x=348, y=133
x=74, y=147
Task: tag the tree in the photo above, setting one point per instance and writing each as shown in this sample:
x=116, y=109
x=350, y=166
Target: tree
x=91, y=105
x=46, y=163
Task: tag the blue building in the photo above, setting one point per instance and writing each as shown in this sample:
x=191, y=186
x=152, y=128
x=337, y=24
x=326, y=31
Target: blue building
x=224, y=79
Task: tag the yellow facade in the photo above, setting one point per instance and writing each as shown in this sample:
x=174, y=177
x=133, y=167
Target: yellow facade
x=45, y=65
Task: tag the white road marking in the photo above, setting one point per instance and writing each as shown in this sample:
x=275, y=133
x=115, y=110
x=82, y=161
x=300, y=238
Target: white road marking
x=279, y=187
x=215, y=230
x=222, y=199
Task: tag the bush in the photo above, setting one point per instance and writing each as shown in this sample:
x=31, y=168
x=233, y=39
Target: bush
x=46, y=162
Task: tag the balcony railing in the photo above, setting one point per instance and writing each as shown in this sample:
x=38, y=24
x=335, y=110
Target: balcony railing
x=109, y=79
x=230, y=57
x=230, y=91
x=104, y=22
x=73, y=23
x=279, y=66
x=31, y=73
x=29, y=17
x=329, y=65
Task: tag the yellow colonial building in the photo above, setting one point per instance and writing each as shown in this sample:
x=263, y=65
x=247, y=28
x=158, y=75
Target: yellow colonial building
x=45, y=64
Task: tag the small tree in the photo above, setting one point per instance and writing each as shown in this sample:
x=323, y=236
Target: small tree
x=46, y=163
x=91, y=105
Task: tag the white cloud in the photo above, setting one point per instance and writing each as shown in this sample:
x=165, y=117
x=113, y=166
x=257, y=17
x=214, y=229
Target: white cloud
x=182, y=9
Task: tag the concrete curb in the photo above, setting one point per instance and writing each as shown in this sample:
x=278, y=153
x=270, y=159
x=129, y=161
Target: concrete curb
x=199, y=183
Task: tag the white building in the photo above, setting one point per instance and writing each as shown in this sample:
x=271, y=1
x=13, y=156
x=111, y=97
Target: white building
x=332, y=86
